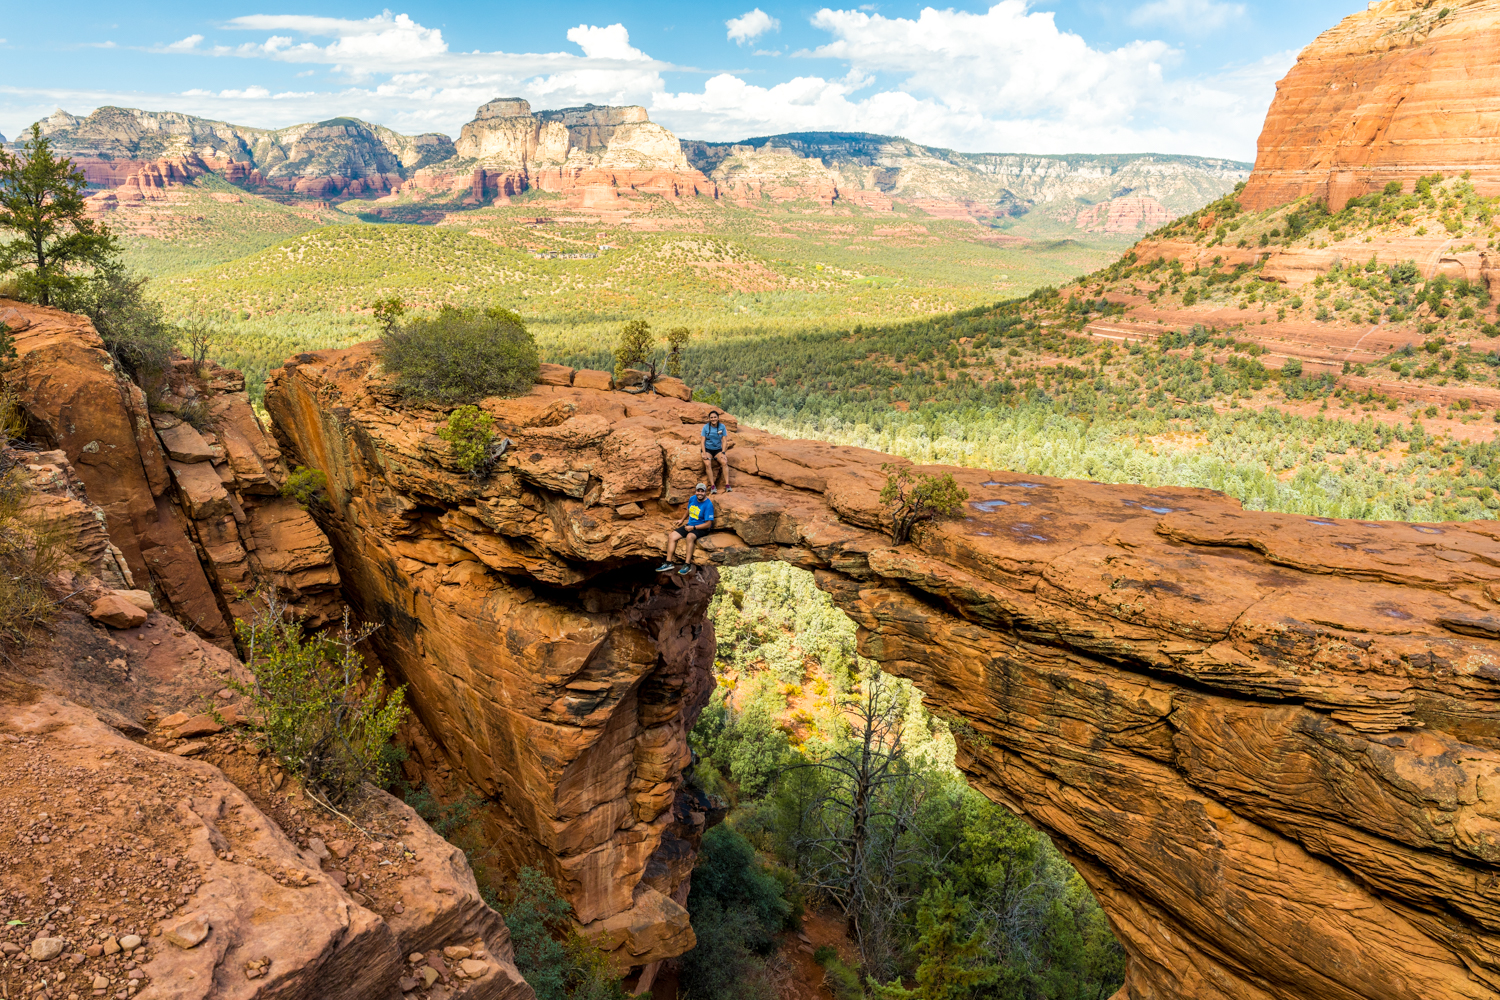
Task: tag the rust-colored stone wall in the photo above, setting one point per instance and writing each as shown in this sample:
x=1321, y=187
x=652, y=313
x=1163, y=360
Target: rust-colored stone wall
x=1402, y=89
x=195, y=513
x=1271, y=743
x=568, y=708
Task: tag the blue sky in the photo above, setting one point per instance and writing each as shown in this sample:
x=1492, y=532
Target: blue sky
x=1177, y=76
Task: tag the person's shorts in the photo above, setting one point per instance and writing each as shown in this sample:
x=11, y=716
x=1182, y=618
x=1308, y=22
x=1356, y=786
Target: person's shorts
x=714, y=452
x=696, y=531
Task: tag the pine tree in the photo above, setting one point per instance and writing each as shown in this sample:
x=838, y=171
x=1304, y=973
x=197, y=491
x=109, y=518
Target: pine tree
x=41, y=199
x=634, y=346
x=951, y=962
x=677, y=339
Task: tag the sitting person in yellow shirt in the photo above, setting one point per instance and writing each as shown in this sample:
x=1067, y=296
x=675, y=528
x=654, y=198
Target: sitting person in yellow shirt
x=698, y=522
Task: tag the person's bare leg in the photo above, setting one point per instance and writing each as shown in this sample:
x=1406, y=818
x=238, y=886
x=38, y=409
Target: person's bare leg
x=672, y=538
x=687, y=556
x=708, y=470
x=724, y=461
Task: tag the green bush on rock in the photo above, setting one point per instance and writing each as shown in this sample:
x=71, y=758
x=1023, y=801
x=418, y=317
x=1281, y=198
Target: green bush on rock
x=319, y=714
x=461, y=356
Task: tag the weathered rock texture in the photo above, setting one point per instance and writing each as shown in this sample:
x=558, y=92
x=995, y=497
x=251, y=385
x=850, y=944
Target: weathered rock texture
x=195, y=515
x=591, y=152
x=1402, y=89
x=1271, y=743
x=564, y=692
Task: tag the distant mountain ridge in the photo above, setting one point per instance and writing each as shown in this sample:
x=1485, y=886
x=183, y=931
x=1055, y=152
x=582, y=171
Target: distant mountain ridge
x=872, y=166
x=598, y=155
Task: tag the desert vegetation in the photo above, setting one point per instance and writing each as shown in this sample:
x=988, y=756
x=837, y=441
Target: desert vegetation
x=460, y=356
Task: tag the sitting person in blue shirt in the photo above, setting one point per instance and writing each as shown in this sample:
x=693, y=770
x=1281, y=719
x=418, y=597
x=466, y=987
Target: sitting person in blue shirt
x=715, y=450
x=698, y=522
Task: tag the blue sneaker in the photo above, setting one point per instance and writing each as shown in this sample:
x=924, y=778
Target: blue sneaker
x=685, y=570
x=666, y=567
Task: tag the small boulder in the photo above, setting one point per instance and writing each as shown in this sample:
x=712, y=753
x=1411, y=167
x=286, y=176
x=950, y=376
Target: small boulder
x=184, y=444
x=44, y=949
x=589, y=378
x=198, y=725
x=173, y=721
x=111, y=945
x=456, y=951
x=139, y=598
x=116, y=612
x=555, y=375
x=676, y=388
x=473, y=968
x=189, y=933
x=629, y=511
x=318, y=848
x=130, y=942
x=429, y=975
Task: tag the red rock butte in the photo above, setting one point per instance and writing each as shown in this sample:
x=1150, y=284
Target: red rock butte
x=1403, y=89
x=1269, y=742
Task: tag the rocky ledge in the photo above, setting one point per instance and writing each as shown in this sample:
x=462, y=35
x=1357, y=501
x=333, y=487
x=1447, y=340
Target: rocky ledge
x=1271, y=743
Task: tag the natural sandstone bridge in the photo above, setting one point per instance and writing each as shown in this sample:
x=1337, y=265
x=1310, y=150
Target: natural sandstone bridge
x=1270, y=743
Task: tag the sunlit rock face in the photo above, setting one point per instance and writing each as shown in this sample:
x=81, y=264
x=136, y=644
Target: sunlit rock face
x=192, y=507
x=1402, y=89
x=1270, y=743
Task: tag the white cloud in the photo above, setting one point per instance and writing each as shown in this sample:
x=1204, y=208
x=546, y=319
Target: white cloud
x=1195, y=17
x=186, y=44
x=751, y=25
x=612, y=42
x=1005, y=79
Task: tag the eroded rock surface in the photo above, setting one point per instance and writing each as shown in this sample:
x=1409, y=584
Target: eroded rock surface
x=1402, y=89
x=192, y=512
x=1271, y=743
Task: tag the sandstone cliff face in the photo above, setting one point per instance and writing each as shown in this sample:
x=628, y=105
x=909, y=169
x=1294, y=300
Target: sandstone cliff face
x=194, y=513
x=597, y=154
x=871, y=170
x=146, y=150
x=1402, y=89
x=1124, y=215
x=564, y=693
x=1271, y=743
x=507, y=149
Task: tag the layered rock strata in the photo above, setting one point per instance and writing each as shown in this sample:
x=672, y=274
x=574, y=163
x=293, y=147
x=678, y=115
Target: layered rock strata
x=1271, y=743
x=508, y=148
x=190, y=497
x=1403, y=89
x=142, y=151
